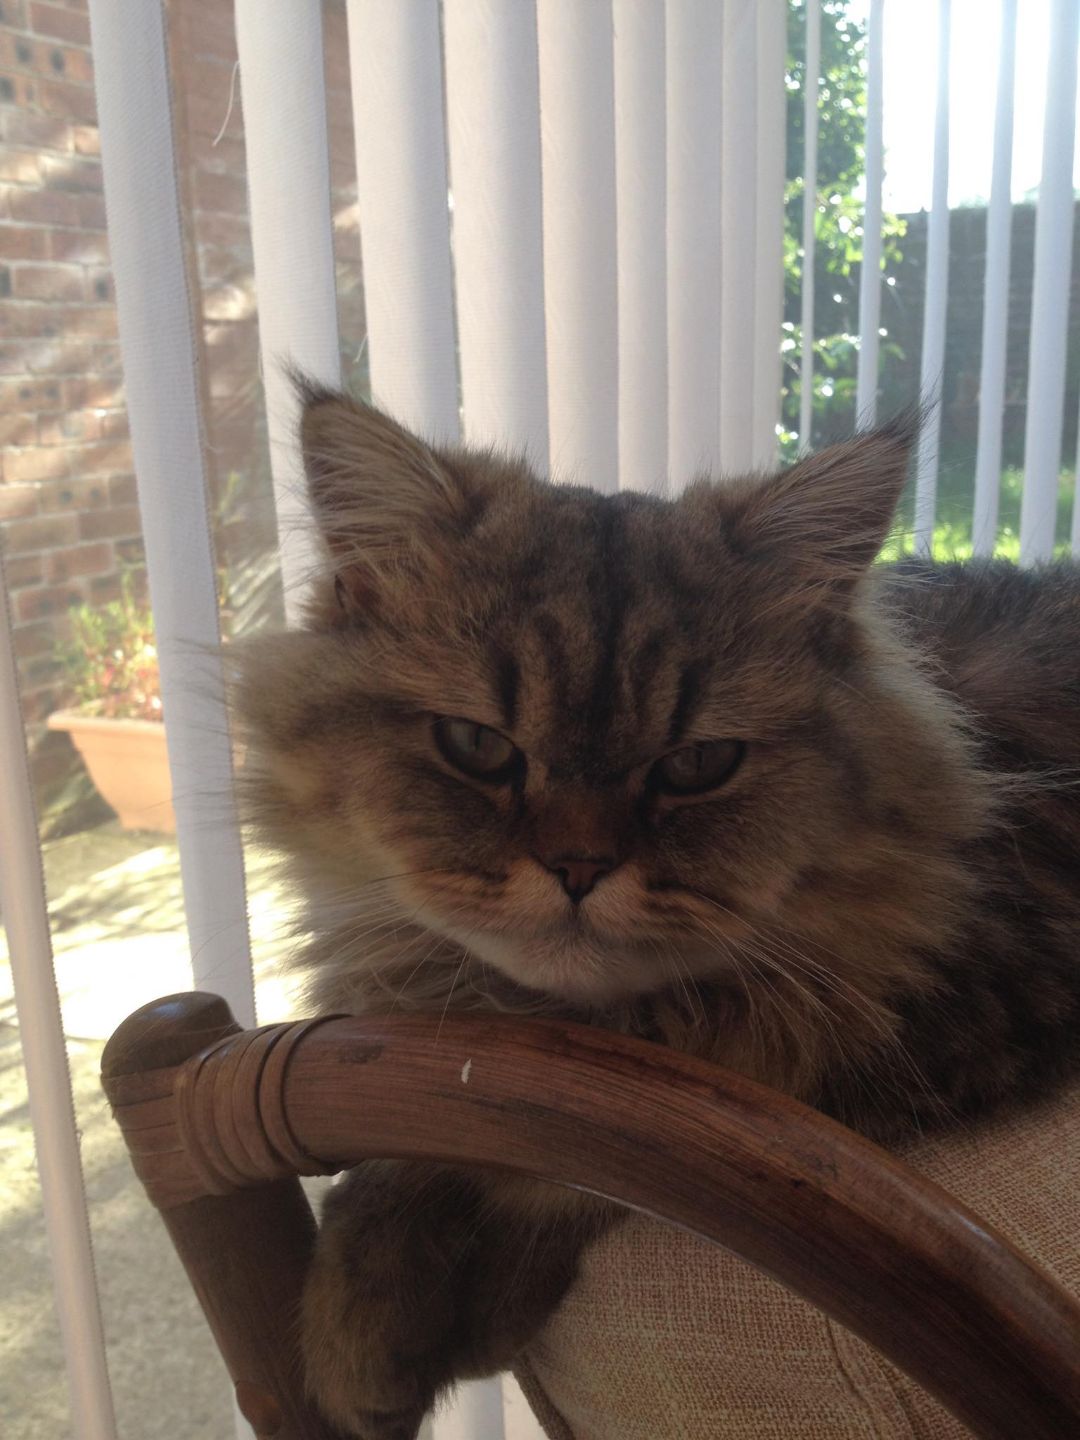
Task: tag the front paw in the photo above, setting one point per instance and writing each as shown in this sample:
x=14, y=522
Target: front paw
x=359, y=1382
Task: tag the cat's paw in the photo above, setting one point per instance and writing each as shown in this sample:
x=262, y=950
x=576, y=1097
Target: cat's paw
x=361, y=1396
x=381, y=1424
x=361, y=1382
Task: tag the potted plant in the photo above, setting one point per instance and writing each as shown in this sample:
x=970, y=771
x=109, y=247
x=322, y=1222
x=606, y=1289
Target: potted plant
x=115, y=715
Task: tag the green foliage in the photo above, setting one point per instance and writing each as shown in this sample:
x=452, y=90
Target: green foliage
x=838, y=220
x=952, y=531
x=111, y=663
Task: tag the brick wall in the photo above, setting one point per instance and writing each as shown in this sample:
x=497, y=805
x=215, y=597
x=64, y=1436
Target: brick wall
x=67, y=490
x=69, y=520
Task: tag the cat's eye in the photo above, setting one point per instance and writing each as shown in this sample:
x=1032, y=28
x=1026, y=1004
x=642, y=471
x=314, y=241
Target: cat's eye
x=477, y=749
x=699, y=767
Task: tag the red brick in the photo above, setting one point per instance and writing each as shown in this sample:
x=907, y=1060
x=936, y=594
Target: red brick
x=91, y=393
x=24, y=242
x=17, y=430
x=102, y=459
x=97, y=322
x=21, y=166
x=37, y=603
x=28, y=322
x=46, y=207
x=31, y=640
x=92, y=322
x=60, y=23
x=26, y=127
x=21, y=90
x=79, y=246
x=78, y=561
x=132, y=553
x=12, y=359
x=109, y=524
x=205, y=116
x=66, y=427
x=114, y=426
x=18, y=501
x=72, y=357
x=213, y=35
x=42, y=532
x=99, y=286
x=220, y=193
x=47, y=282
x=16, y=51
x=104, y=588
x=73, y=102
x=75, y=494
x=15, y=14
x=91, y=212
x=123, y=490
x=31, y=394
x=23, y=570
x=72, y=172
x=87, y=139
x=34, y=464
x=225, y=230
x=61, y=62
x=226, y=157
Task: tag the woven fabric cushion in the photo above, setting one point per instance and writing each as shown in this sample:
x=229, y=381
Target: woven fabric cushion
x=665, y=1337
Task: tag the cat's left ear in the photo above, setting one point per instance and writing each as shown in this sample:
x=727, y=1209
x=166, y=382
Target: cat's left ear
x=387, y=504
x=826, y=517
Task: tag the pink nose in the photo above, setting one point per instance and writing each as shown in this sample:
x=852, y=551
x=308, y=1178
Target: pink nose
x=579, y=873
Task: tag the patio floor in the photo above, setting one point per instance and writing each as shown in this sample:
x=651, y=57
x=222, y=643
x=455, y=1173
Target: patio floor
x=117, y=915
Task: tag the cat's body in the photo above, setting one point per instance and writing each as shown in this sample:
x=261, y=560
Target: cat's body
x=686, y=769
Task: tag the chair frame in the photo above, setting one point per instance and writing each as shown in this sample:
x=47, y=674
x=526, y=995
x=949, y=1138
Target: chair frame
x=220, y=1121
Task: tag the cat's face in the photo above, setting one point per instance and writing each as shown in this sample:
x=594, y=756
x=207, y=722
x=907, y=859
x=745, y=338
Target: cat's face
x=593, y=740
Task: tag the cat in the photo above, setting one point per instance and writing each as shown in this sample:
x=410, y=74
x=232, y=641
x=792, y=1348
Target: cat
x=694, y=769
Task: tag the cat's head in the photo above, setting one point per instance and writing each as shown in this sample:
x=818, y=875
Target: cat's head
x=593, y=740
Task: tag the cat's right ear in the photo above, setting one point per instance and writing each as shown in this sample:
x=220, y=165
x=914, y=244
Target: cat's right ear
x=384, y=501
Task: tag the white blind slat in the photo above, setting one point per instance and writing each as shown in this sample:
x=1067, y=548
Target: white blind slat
x=396, y=67
x=640, y=173
x=995, y=327
x=937, y=286
x=771, y=142
x=1049, y=311
x=577, y=129
x=493, y=120
x=740, y=180
x=866, y=383
x=810, y=151
x=288, y=167
x=159, y=354
x=44, y=1053
x=694, y=70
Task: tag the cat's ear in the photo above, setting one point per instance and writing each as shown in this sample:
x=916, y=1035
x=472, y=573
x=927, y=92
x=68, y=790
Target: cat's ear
x=385, y=502
x=827, y=517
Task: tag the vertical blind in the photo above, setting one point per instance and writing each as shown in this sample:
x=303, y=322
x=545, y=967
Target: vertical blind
x=571, y=221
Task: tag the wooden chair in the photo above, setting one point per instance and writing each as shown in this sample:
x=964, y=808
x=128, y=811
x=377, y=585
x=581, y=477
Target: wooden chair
x=220, y=1122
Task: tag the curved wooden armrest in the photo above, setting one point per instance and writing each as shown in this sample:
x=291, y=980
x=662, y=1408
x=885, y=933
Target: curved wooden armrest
x=209, y=1111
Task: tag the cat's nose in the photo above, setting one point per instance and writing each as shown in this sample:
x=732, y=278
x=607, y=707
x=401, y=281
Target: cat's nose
x=579, y=873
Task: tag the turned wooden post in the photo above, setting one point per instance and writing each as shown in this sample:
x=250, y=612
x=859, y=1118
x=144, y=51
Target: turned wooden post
x=245, y=1250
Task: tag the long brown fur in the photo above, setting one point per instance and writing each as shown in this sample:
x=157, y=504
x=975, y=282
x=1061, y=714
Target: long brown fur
x=878, y=912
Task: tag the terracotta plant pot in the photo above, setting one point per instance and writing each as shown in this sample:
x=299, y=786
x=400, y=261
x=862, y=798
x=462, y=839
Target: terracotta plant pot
x=128, y=763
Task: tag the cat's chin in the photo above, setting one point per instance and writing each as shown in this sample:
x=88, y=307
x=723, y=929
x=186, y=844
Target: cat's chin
x=574, y=969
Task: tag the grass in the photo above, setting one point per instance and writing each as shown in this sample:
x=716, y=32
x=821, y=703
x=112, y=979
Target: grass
x=952, y=532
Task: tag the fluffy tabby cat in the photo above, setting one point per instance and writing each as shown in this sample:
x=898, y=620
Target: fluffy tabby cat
x=692, y=769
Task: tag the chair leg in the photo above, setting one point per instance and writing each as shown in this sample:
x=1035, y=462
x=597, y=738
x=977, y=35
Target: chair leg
x=246, y=1252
